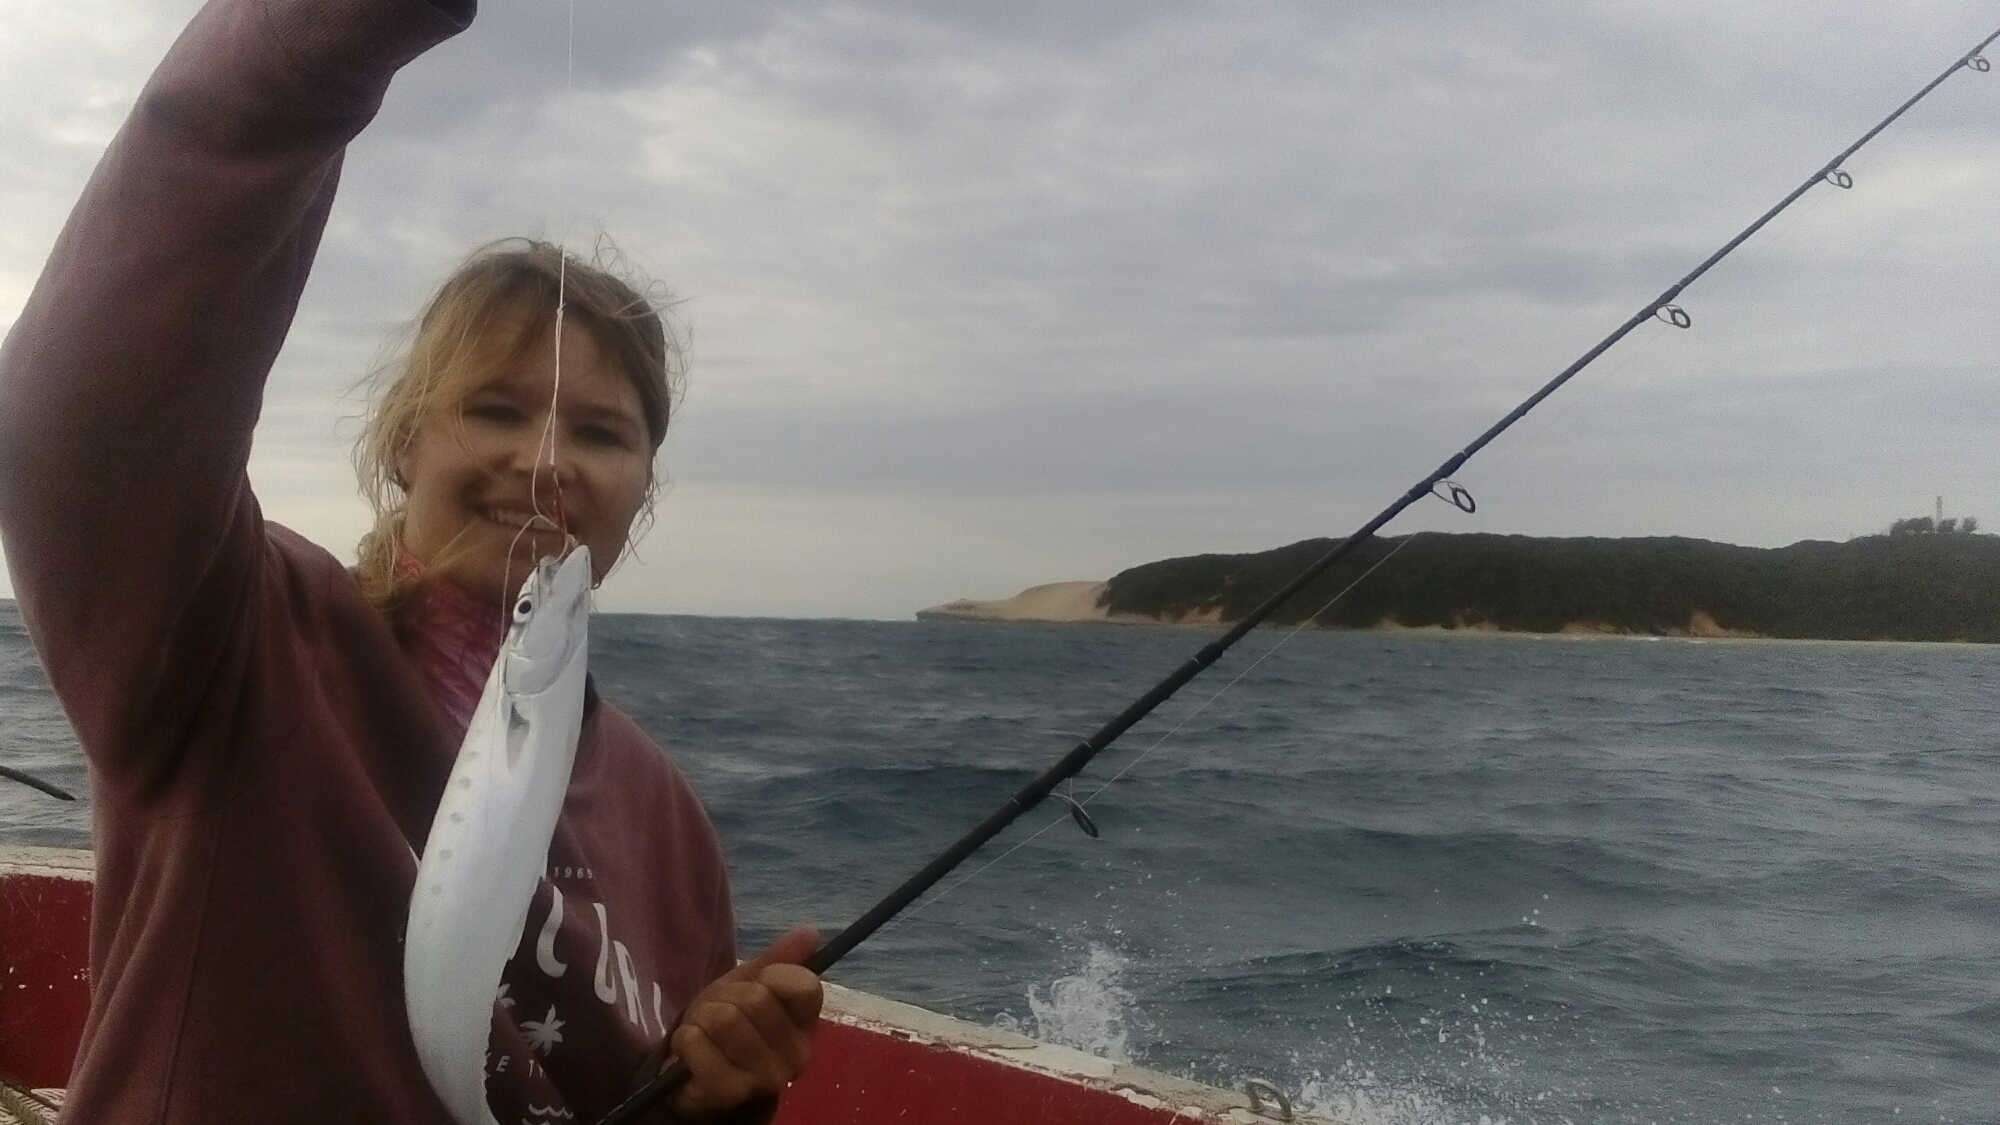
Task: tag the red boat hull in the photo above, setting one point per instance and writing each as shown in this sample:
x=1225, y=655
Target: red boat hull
x=876, y=1061
x=45, y=973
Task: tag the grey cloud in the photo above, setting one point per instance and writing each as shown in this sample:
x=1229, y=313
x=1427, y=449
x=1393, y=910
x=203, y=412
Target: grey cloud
x=1049, y=248
x=1842, y=423
x=624, y=43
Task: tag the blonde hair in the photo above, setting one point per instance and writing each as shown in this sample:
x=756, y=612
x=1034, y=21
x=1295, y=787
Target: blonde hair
x=488, y=313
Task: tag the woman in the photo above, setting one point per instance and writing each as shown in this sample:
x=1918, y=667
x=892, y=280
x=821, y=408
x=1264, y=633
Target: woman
x=269, y=733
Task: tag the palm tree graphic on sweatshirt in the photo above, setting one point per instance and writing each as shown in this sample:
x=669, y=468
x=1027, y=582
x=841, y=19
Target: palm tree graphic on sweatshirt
x=543, y=1034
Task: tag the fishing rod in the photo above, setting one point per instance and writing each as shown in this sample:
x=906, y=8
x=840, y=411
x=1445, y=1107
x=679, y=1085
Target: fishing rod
x=676, y=1074
x=33, y=782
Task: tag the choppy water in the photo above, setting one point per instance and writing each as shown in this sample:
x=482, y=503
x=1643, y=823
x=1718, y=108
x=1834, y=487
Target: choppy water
x=1412, y=879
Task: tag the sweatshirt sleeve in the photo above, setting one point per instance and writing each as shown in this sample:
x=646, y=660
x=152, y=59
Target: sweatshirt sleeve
x=131, y=383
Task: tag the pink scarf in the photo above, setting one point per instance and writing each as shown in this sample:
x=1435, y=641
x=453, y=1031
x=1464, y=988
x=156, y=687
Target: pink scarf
x=458, y=638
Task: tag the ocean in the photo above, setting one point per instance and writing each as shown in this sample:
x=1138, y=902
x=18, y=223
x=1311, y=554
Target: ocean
x=1412, y=879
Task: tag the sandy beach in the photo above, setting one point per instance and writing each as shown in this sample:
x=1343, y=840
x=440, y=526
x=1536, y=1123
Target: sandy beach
x=1068, y=602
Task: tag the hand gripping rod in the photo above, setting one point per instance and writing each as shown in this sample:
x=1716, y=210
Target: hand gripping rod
x=675, y=1074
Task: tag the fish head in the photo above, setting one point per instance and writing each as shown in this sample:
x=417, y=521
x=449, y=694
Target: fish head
x=551, y=621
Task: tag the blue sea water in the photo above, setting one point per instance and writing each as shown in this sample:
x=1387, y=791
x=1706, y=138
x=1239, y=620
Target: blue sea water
x=1410, y=878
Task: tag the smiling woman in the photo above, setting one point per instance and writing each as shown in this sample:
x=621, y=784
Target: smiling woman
x=468, y=470
x=270, y=733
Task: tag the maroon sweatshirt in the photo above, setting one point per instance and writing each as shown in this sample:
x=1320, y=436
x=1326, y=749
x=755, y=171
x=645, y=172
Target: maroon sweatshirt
x=265, y=759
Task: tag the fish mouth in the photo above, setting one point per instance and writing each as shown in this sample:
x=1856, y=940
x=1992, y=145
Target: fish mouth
x=550, y=623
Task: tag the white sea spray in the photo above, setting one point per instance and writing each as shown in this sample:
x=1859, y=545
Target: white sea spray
x=1089, y=1010
x=1357, y=1096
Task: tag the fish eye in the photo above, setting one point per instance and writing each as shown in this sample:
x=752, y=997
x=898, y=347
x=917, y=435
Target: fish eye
x=523, y=608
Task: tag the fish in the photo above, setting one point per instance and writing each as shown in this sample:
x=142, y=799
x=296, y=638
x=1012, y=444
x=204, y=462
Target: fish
x=489, y=842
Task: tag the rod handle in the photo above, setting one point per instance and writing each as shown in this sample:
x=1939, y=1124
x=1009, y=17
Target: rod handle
x=663, y=1086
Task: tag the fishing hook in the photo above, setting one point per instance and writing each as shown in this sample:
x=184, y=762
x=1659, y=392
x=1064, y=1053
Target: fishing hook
x=1455, y=495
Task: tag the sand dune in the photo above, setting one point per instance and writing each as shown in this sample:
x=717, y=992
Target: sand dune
x=1056, y=601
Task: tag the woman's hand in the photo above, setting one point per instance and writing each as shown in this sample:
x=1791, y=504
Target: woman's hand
x=745, y=1037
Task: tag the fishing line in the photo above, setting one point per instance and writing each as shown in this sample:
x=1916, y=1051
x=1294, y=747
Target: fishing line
x=1252, y=666
x=676, y=1074
x=1076, y=807
x=548, y=438
x=549, y=427
x=1650, y=344
x=1664, y=343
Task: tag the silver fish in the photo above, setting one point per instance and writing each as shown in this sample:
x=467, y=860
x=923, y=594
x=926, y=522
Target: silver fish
x=489, y=842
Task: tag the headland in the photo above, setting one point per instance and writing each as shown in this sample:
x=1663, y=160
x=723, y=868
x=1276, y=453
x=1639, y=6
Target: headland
x=1896, y=587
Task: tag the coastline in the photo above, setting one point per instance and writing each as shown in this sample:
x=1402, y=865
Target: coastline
x=1081, y=603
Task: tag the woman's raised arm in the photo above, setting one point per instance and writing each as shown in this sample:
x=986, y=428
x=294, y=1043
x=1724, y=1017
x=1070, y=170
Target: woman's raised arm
x=131, y=383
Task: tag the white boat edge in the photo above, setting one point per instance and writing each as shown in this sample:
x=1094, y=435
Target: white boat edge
x=1179, y=1097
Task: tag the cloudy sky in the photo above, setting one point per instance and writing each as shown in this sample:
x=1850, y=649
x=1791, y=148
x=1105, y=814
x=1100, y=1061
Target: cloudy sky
x=983, y=295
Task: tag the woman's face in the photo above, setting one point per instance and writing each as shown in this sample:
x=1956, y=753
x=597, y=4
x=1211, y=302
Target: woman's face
x=493, y=490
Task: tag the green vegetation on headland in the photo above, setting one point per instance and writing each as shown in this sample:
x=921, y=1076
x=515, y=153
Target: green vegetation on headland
x=1919, y=583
